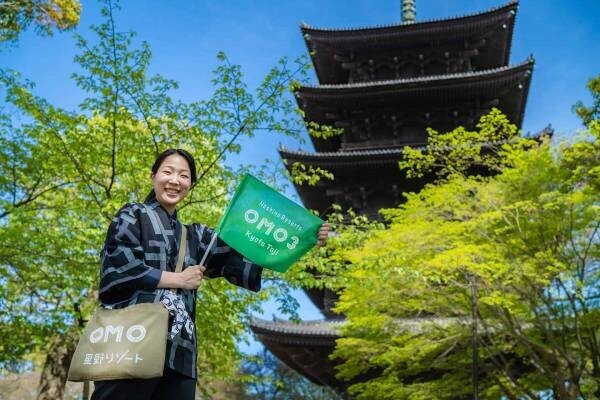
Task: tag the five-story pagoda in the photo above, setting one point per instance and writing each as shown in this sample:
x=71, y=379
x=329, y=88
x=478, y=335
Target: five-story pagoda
x=384, y=86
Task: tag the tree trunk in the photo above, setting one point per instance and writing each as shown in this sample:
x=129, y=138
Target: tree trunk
x=56, y=367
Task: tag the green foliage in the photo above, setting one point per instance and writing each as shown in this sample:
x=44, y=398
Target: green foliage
x=307, y=174
x=322, y=131
x=66, y=173
x=589, y=114
x=324, y=266
x=527, y=239
x=518, y=245
x=45, y=15
x=461, y=151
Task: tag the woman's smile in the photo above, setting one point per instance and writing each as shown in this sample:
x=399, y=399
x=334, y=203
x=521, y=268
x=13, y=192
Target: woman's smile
x=172, y=181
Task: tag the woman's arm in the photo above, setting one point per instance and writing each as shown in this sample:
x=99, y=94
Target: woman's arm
x=224, y=261
x=188, y=279
x=122, y=266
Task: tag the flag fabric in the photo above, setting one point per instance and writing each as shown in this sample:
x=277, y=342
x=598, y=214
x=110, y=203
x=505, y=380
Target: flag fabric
x=266, y=227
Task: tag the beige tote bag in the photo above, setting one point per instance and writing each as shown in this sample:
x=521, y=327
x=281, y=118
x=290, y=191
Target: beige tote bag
x=125, y=343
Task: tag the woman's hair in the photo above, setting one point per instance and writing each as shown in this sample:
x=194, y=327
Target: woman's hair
x=169, y=152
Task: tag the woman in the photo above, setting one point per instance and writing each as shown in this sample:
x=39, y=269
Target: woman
x=138, y=260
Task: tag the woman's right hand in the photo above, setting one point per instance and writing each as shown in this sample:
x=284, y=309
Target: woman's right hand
x=188, y=279
x=191, y=276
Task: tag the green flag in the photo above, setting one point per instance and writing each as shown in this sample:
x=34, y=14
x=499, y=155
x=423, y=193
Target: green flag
x=266, y=227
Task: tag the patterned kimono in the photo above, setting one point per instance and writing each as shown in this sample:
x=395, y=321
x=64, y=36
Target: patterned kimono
x=137, y=250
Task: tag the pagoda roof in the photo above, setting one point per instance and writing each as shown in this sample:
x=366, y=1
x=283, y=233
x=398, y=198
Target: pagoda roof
x=313, y=361
x=362, y=160
x=356, y=159
x=304, y=347
x=375, y=156
x=360, y=87
x=314, y=328
x=282, y=330
x=325, y=43
x=510, y=83
x=371, y=170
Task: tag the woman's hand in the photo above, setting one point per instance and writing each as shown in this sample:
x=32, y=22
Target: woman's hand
x=323, y=234
x=188, y=279
x=191, y=277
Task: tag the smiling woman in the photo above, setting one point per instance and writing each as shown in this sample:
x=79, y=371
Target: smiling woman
x=173, y=175
x=139, y=266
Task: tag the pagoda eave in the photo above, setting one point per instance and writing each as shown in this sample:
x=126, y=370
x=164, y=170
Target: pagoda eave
x=337, y=105
x=304, y=347
x=305, y=332
x=460, y=23
x=340, y=160
x=360, y=173
x=358, y=169
x=424, y=85
x=495, y=26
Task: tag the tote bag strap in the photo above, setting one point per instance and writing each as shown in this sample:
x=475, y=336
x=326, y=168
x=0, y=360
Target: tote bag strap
x=181, y=255
x=182, y=247
x=182, y=238
x=182, y=241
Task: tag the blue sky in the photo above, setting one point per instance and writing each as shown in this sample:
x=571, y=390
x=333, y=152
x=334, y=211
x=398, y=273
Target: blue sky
x=563, y=36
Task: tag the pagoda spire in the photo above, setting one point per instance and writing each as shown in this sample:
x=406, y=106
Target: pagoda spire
x=409, y=11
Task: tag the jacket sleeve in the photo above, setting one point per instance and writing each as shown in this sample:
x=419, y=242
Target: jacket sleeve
x=224, y=261
x=123, y=270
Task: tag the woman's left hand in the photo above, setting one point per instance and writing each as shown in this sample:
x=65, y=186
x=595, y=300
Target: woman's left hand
x=323, y=234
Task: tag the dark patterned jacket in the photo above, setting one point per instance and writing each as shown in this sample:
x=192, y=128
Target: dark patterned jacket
x=137, y=250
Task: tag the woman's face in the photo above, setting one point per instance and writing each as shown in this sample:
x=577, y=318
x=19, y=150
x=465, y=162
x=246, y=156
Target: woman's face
x=172, y=181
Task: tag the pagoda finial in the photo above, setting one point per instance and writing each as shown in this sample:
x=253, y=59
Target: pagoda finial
x=409, y=11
